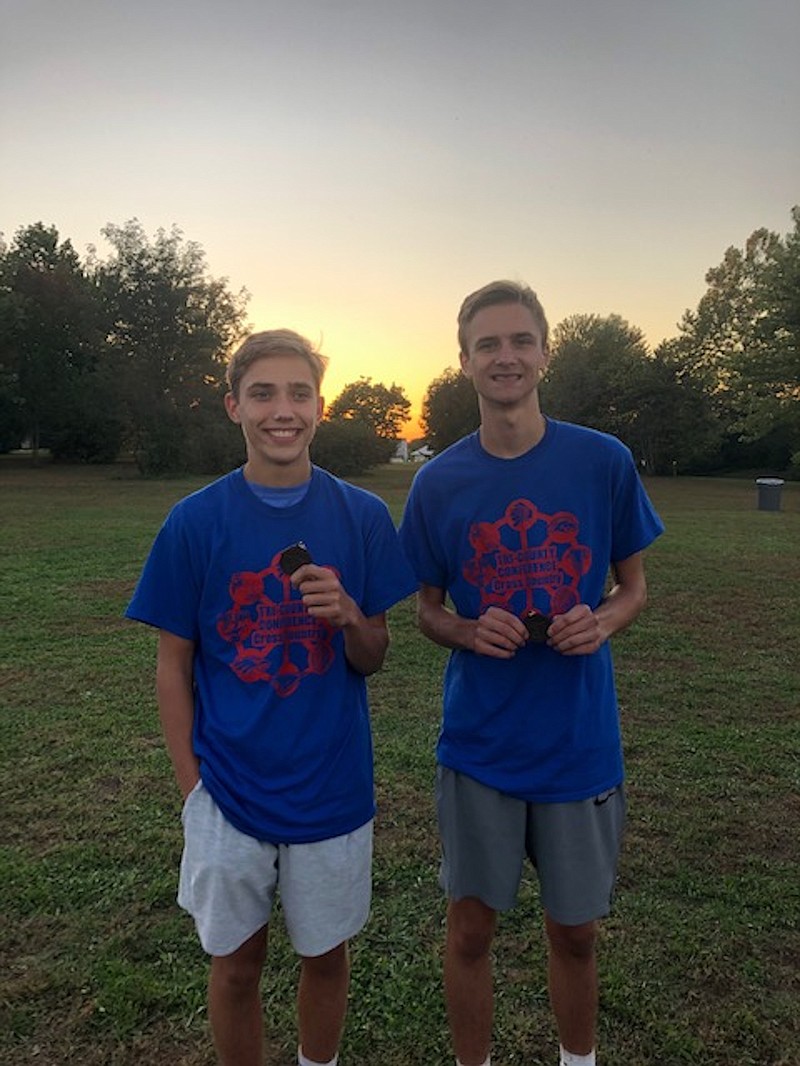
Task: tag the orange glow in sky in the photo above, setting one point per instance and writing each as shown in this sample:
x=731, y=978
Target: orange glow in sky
x=360, y=166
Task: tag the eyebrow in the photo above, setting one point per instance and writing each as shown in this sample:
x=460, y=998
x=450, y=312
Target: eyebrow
x=522, y=334
x=272, y=384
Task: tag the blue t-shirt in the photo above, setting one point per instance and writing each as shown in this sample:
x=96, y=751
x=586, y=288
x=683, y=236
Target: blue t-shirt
x=535, y=532
x=281, y=725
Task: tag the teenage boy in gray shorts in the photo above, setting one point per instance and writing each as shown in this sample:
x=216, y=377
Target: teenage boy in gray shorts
x=519, y=525
x=269, y=589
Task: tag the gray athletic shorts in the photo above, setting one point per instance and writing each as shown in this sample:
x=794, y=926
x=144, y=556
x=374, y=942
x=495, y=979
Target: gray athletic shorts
x=485, y=836
x=229, y=880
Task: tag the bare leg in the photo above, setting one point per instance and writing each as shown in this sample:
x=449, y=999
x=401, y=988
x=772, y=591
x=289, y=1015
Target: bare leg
x=468, y=978
x=234, y=1003
x=572, y=966
x=322, y=1002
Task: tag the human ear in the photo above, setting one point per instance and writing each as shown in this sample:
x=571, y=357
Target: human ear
x=232, y=407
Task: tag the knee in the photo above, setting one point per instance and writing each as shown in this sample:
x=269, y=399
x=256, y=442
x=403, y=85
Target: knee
x=470, y=930
x=236, y=975
x=331, y=966
x=572, y=941
x=235, y=981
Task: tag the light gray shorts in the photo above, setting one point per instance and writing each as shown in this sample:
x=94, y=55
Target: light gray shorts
x=485, y=836
x=229, y=881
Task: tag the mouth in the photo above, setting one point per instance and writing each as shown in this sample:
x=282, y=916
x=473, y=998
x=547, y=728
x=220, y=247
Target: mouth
x=283, y=434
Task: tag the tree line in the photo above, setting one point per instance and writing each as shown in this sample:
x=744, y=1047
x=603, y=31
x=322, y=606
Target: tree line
x=125, y=355
x=723, y=395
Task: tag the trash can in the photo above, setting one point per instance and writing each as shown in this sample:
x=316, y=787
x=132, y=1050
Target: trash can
x=769, y=493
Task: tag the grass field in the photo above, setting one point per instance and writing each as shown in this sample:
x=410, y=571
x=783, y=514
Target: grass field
x=699, y=962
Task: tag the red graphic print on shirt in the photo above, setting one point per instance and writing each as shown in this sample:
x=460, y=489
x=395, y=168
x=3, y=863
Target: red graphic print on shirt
x=276, y=638
x=528, y=560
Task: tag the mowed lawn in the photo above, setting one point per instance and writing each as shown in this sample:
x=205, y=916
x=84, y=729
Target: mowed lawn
x=699, y=961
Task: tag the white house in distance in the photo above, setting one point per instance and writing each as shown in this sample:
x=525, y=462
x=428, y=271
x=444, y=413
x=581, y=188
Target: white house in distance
x=421, y=455
x=402, y=453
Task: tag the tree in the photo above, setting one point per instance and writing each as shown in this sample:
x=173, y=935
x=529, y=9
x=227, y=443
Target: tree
x=13, y=421
x=449, y=409
x=743, y=340
x=603, y=375
x=673, y=426
x=50, y=343
x=170, y=326
x=384, y=410
x=361, y=427
x=348, y=447
x=592, y=365
x=12, y=418
x=590, y=370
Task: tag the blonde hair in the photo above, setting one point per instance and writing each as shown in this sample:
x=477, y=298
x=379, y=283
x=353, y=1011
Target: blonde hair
x=500, y=292
x=273, y=342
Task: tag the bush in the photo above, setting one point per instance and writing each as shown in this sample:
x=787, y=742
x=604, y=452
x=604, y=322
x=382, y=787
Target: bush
x=12, y=422
x=94, y=440
x=347, y=447
x=214, y=444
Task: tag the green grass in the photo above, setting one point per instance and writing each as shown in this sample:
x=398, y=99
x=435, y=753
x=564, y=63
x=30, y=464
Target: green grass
x=698, y=961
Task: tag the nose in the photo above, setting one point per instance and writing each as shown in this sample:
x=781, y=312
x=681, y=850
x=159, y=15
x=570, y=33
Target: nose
x=506, y=353
x=282, y=409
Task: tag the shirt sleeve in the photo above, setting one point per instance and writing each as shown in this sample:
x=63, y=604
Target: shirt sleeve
x=168, y=592
x=635, y=523
x=417, y=541
x=390, y=577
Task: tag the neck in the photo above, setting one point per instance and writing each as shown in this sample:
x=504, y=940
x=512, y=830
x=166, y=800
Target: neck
x=507, y=434
x=277, y=477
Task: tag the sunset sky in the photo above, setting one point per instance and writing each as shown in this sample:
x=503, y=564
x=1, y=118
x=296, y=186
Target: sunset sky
x=360, y=165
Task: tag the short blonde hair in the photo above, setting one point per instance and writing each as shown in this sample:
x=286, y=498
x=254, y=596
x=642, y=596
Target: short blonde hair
x=500, y=292
x=273, y=342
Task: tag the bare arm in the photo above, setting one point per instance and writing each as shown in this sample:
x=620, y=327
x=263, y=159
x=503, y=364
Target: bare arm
x=365, y=638
x=581, y=631
x=496, y=633
x=174, y=687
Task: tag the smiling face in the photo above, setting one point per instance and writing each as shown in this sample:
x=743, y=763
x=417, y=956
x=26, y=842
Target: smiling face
x=278, y=406
x=504, y=356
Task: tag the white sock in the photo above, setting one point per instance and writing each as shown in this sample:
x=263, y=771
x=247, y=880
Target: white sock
x=303, y=1061
x=569, y=1058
